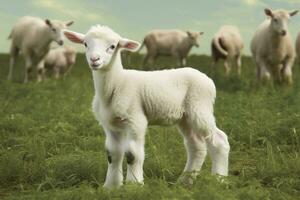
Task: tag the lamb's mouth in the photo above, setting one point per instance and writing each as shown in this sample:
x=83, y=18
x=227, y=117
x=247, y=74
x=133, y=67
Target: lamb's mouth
x=95, y=66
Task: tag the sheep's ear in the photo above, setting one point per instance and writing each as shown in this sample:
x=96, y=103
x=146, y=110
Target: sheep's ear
x=189, y=33
x=74, y=37
x=129, y=45
x=293, y=13
x=48, y=22
x=268, y=12
x=69, y=23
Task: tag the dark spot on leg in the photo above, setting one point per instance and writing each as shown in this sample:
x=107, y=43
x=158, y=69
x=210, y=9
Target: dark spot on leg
x=129, y=158
x=40, y=71
x=108, y=156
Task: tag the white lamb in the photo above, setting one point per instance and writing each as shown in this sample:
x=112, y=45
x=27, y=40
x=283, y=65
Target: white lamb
x=127, y=101
x=32, y=37
x=227, y=44
x=60, y=60
x=272, y=47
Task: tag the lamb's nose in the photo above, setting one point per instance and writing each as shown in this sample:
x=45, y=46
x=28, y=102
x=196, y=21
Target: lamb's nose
x=283, y=32
x=95, y=58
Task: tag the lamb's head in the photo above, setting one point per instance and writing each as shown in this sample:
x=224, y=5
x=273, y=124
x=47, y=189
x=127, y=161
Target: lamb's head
x=279, y=20
x=55, y=28
x=193, y=37
x=102, y=45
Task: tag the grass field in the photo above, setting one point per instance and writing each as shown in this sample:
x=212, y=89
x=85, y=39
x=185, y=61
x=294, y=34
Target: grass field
x=51, y=147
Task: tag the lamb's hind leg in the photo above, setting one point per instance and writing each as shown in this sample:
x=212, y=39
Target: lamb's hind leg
x=218, y=148
x=203, y=122
x=195, y=147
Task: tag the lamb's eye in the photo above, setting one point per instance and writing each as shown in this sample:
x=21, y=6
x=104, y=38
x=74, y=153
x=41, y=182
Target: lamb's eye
x=85, y=44
x=275, y=20
x=54, y=30
x=112, y=47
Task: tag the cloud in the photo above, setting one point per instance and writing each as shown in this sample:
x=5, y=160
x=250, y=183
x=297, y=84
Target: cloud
x=67, y=10
x=253, y=3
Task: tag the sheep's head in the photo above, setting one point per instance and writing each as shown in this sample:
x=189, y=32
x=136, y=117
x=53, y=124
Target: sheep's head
x=279, y=20
x=193, y=37
x=55, y=28
x=101, y=45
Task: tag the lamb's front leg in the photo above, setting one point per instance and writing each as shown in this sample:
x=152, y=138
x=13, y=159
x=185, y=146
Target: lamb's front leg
x=115, y=153
x=135, y=151
x=135, y=159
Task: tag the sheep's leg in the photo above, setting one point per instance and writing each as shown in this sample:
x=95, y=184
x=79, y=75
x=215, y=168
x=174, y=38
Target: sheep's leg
x=28, y=66
x=227, y=67
x=135, y=151
x=239, y=64
x=115, y=153
x=56, y=72
x=263, y=73
x=218, y=148
x=287, y=73
x=14, y=51
x=40, y=71
x=182, y=62
x=146, y=60
x=196, y=150
x=214, y=64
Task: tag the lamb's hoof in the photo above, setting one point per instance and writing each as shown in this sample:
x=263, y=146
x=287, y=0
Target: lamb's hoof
x=223, y=180
x=187, y=179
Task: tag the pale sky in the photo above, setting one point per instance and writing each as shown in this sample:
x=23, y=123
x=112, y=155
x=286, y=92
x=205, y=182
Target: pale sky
x=134, y=18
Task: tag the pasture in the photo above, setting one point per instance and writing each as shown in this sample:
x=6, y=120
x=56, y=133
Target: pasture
x=51, y=147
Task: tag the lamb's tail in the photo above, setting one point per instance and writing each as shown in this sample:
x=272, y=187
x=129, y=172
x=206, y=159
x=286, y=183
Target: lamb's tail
x=217, y=41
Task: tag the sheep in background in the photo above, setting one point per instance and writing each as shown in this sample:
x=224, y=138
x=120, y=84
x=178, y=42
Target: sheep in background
x=32, y=37
x=272, y=47
x=298, y=47
x=60, y=60
x=127, y=101
x=175, y=43
x=227, y=44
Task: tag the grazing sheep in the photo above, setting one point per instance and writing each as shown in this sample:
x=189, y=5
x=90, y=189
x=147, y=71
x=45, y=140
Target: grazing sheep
x=175, y=43
x=60, y=60
x=227, y=44
x=127, y=101
x=32, y=37
x=298, y=47
x=272, y=47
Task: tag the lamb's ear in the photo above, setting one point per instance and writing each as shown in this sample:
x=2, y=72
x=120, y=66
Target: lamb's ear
x=129, y=45
x=74, y=37
x=189, y=33
x=48, y=22
x=201, y=33
x=293, y=13
x=69, y=23
x=268, y=12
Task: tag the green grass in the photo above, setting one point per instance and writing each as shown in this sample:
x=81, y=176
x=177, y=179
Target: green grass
x=51, y=147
